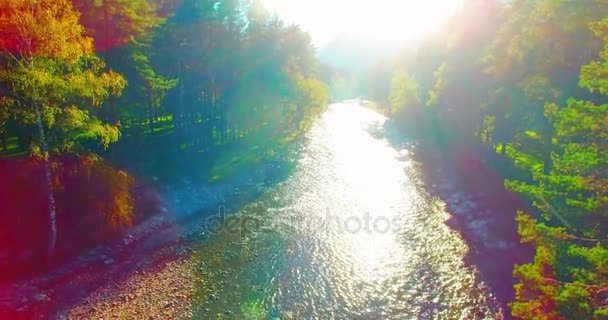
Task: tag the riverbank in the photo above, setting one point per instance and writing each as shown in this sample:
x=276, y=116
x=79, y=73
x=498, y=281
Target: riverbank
x=151, y=258
x=165, y=291
x=152, y=271
x=483, y=211
x=480, y=210
x=477, y=206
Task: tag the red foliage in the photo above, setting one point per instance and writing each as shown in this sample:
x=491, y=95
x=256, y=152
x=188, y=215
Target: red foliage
x=24, y=210
x=115, y=23
x=94, y=203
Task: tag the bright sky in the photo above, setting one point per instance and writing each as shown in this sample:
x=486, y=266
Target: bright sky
x=374, y=21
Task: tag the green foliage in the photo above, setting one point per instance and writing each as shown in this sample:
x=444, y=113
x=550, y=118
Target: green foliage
x=56, y=74
x=569, y=272
x=191, y=79
x=221, y=71
x=526, y=78
x=593, y=74
x=567, y=278
x=435, y=92
x=243, y=75
x=404, y=93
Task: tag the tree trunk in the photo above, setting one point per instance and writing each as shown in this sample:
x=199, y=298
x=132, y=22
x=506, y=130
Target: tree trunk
x=547, y=150
x=154, y=108
x=178, y=117
x=113, y=110
x=150, y=111
x=4, y=141
x=49, y=185
x=547, y=164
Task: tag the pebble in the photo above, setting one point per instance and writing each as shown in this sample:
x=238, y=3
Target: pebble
x=162, y=294
x=41, y=297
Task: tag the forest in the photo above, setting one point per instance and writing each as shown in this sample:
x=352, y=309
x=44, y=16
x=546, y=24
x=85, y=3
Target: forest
x=524, y=84
x=93, y=91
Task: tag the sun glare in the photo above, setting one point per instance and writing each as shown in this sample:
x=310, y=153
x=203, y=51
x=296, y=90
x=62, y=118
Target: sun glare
x=379, y=22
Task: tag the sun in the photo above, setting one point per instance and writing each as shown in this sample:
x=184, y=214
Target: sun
x=376, y=22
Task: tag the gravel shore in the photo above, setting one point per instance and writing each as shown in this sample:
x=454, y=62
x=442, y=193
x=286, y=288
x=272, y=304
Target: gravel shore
x=165, y=292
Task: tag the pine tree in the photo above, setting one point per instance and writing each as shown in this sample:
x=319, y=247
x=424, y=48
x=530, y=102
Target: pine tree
x=569, y=277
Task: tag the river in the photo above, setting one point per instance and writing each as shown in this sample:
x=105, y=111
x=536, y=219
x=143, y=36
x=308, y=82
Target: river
x=352, y=233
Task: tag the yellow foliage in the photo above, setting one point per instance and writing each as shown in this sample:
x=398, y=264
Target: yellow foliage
x=44, y=28
x=91, y=191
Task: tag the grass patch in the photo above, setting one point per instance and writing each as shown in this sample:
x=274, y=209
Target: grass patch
x=12, y=149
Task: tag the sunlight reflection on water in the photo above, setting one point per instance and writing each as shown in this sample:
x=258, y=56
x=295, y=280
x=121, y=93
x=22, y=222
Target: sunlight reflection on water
x=350, y=235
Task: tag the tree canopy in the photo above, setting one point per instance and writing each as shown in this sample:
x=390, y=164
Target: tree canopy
x=527, y=80
x=86, y=85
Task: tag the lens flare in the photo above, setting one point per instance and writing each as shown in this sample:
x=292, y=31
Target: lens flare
x=379, y=22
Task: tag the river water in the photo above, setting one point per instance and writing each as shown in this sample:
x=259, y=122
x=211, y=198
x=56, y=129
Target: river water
x=352, y=233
